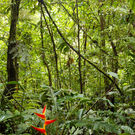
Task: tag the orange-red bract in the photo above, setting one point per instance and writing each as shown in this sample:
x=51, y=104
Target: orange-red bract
x=44, y=109
x=47, y=122
x=41, y=130
x=42, y=116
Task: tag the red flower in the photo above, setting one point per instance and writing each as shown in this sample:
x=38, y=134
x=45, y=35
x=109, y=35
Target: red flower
x=47, y=122
x=42, y=116
x=41, y=130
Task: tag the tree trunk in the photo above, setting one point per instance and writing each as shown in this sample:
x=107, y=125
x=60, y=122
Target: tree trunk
x=43, y=54
x=56, y=61
x=84, y=73
x=102, y=27
x=79, y=62
x=107, y=84
x=12, y=66
x=54, y=50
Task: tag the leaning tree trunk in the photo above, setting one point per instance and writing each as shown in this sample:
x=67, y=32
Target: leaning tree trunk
x=12, y=67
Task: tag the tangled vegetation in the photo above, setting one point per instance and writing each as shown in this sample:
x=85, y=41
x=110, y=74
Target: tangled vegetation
x=77, y=57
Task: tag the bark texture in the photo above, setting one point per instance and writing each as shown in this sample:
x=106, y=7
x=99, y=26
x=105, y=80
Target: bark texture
x=12, y=66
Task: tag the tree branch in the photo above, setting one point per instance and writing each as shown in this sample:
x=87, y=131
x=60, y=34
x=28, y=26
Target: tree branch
x=71, y=47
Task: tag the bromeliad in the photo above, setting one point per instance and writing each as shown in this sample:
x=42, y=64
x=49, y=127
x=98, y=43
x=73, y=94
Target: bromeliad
x=47, y=122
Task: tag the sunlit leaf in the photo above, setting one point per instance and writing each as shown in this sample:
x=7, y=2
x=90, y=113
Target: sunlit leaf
x=113, y=74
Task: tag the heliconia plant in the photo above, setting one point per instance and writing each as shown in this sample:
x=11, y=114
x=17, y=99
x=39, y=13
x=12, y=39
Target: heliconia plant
x=47, y=122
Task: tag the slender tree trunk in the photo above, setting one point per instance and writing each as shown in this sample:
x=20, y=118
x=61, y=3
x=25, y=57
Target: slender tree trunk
x=69, y=62
x=107, y=84
x=43, y=54
x=56, y=61
x=84, y=73
x=76, y=51
x=12, y=66
x=102, y=27
x=104, y=60
x=79, y=62
x=54, y=50
x=115, y=67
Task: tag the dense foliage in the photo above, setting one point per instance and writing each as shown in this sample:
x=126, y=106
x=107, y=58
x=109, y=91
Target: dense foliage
x=77, y=57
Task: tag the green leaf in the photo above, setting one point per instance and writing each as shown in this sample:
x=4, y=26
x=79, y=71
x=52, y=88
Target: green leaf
x=132, y=4
x=112, y=93
x=58, y=92
x=132, y=89
x=126, y=87
x=12, y=82
x=44, y=86
x=82, y=123
x=107, y=127
x=17, y=112
x=110, y=103
x=22, y=127
x=113, y=74
x=2, y=118
x=1, y=84
x=63, y=47
x=127, y=129
x=7, y=115
x=124, y=134
x=80, y=113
